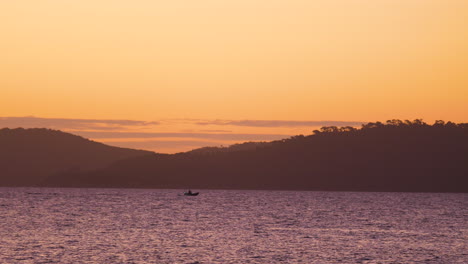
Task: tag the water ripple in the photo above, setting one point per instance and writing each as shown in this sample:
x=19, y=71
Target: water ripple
x=160, y=226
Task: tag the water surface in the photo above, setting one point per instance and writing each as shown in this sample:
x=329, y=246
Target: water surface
x=41, y=225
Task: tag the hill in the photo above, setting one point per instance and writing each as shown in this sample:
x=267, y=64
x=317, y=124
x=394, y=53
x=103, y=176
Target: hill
x=396, y=156
x=28, y=156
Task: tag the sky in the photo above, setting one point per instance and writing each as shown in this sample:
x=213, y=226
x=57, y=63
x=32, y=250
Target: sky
x=175, y=75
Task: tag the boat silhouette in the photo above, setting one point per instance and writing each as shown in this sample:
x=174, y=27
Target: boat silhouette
x=190, y=193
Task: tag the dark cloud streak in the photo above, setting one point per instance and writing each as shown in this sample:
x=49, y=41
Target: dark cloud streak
x=277, y=123
x=70, y=123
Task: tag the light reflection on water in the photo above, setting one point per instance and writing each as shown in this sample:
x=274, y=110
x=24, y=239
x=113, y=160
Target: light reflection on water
x=40, y=225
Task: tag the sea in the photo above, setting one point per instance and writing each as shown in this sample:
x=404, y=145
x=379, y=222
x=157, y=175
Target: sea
x=47, y=225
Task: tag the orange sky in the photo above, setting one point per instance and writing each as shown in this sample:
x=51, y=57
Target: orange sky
x=302, y=60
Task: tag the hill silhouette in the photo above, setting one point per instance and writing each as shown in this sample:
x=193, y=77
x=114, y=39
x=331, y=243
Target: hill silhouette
x=395, y=156
x=29, y=156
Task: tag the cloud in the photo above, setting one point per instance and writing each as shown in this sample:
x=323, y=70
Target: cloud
x=72, y=124
x=123, y=124
x=216, y=130
x=277, y=123
x=217, y=136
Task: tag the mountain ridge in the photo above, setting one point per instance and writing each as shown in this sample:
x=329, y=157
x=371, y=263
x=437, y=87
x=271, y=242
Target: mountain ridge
x=29, y=156
x=396, y=156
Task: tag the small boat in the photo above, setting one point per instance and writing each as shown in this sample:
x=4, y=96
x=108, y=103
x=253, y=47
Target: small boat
x=190, y=193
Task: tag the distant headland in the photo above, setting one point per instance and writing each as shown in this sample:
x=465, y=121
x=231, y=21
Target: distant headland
x=409, y=156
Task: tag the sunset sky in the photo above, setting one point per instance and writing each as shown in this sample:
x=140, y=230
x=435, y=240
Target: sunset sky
x=176, y=75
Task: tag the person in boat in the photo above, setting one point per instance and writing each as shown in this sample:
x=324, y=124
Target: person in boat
x=189, y=192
